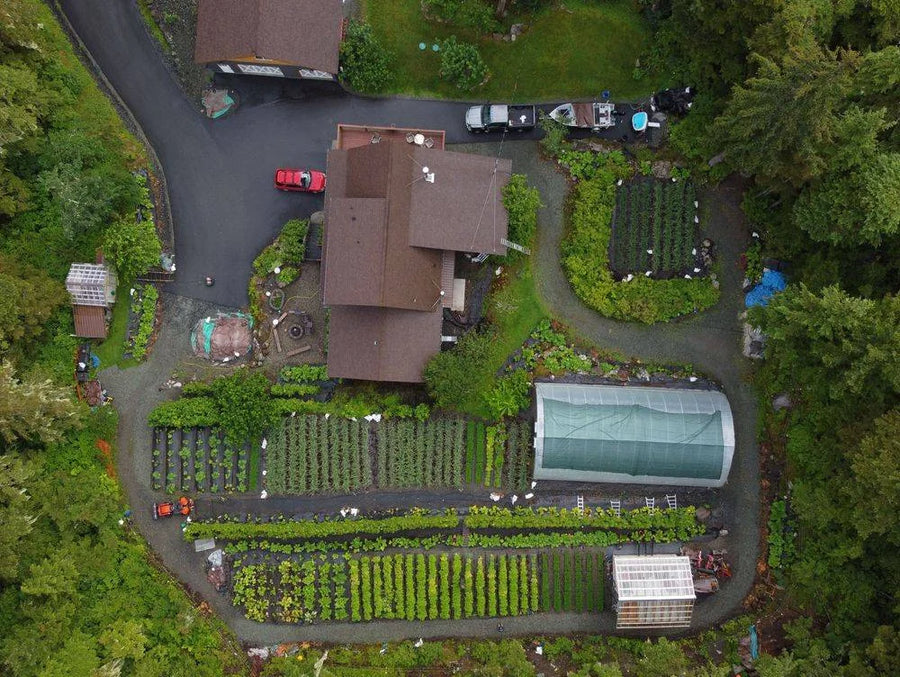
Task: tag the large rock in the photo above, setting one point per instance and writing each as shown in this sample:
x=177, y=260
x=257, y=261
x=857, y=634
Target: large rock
x=317, y=218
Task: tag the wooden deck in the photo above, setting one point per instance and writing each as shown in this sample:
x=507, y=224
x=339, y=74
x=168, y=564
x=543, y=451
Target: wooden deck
x=352, y=136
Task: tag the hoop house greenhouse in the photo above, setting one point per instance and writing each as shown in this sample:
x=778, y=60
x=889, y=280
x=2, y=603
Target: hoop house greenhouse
x=653, y=591
x=632, y=435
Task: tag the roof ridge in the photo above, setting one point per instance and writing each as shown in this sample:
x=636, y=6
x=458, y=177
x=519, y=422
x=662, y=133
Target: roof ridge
x=388, y=189
x=257, y=37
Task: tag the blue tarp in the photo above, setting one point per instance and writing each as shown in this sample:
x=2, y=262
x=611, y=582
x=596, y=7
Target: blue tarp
x=772, y=282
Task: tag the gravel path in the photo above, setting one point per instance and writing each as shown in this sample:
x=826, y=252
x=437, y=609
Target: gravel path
x=226, y=217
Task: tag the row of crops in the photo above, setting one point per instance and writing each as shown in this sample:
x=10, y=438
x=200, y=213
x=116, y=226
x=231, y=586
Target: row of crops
x=420, y=453
x=200, y=460
x=319, y=454
x=419, y=586
x=655, y=216
x=314, y=454
x=310, y=454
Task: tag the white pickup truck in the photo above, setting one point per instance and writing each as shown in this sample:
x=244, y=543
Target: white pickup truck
x=496, y=118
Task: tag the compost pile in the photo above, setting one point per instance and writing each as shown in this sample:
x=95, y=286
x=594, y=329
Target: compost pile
x=224, y=337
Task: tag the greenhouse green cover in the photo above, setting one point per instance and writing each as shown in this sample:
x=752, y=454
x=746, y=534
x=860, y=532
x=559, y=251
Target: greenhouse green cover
x=644, y=435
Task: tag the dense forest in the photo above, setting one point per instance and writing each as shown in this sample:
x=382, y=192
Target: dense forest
x=801, y=97
x=78, y=595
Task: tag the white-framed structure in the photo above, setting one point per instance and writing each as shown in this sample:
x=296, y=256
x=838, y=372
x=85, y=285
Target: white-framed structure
x=653, y=591
x=632, y=435
x=91, y=284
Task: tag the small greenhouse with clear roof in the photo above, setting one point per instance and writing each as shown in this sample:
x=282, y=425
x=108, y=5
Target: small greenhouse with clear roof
x=632, y=435
x=653, y=591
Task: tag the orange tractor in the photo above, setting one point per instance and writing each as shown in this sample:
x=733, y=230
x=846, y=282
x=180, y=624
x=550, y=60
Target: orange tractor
x=184, y=506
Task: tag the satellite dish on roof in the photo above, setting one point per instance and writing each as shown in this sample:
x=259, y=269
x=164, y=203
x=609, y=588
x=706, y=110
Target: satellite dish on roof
x=424, y=170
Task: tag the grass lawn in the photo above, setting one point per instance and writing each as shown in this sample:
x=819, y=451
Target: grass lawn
x=514, y=311
x=575, y=50
x=111, y=350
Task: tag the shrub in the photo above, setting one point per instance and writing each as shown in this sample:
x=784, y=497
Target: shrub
x=448, y=374
x=661, y=659
x=245, y=405
x=555, y=134
x=267, y=261
x=753, y=257
x=474, y=14
x=521, y=202
x=510, y=395
x=461, y=64
x=131, y=247
x=365, y=64
x=287, y=274
x=293, y=240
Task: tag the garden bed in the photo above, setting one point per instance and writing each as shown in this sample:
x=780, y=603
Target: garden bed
x=419, y=586
x=315, y=454
x=142, y=324
x=199, y=460
x=656, y=216
x=648, y=296
x=489, y=562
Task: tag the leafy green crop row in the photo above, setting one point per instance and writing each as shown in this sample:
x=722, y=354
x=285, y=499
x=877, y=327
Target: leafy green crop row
x=492, y=517
x=640, y=524
x=232, y=531
x=145, y=308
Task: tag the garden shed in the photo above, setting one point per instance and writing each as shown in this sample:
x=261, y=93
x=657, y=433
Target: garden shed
x=653, y=591
x=632, y=435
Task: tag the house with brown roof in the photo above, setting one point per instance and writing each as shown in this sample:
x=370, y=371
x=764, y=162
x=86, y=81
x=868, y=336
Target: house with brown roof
x=396, y=213
x=281, y=38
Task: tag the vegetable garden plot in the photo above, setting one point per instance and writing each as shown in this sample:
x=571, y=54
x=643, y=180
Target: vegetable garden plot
x=314, y=454
x=421, y=453
x=657, y=216
x=498, y=456
x=198, y=460
x=519, y=456
x=419, y=586
x=571, y=580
